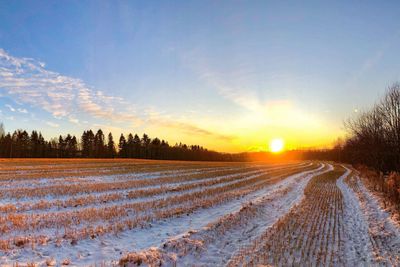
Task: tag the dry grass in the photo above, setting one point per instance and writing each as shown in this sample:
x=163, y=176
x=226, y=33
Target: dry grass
x=81, y=208
x=310, y=234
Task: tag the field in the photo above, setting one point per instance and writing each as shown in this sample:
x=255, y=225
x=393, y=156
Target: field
x=133, y=212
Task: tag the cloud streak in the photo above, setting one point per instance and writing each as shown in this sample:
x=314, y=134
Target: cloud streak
x=190, y=129
x=228, y=85
x=27, y=81
x=30, y=83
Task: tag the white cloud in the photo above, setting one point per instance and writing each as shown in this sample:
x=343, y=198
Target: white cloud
x=11, y=108
x=22, y=110
x=73, y=120
x=29, y=82
x=52, y=124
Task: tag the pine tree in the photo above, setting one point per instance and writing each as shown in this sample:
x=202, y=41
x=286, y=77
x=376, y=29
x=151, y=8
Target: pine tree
x=99, y=151
x=111, y=146
x=122, y=146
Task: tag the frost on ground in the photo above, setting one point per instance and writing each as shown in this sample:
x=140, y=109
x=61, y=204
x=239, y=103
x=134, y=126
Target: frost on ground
x=99, y=216
x=358, y=248
x=184, y=214
x=383, y=234
x=215, y=244
x=310, y=234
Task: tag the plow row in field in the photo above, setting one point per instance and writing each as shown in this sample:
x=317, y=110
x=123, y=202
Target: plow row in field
x=311, y=234
x=38, y=217
x=380, y=238
x=211, y=214
x=213, y=245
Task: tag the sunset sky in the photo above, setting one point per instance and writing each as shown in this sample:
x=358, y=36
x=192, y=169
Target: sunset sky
x=228, y=75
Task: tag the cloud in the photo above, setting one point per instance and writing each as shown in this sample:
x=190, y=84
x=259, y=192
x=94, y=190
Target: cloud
x=232, y=84
x=164, y=121
x=236, y=85
x=11, y=108
x=192, y=129
x=29, y=82
x=52, y=124
x=373, y=59
x=22, y=110
x=73, y=120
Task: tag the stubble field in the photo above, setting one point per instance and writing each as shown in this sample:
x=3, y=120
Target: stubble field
x=138, y=212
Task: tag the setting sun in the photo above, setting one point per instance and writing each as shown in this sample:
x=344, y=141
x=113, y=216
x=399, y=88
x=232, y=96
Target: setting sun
x=276, y=145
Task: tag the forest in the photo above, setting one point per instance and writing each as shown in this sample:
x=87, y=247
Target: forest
x=373, y=140
x=21, y=144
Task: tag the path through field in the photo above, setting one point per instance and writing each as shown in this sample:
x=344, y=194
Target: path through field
x=131, y=212
x=338, y=223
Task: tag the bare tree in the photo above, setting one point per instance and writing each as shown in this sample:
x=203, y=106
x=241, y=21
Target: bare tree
x=375, y=134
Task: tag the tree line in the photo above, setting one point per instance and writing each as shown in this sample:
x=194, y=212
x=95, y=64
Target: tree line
x=21, y=144
x=373, y=137
x=373, y=146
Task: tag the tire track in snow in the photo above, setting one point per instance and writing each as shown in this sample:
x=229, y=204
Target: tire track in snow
x=383, y=233
x=358, y=248
x=211, y=247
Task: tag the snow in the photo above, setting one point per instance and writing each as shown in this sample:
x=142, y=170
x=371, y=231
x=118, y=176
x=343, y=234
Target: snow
x=384, y=234
x=112, y=246
x=372, y=238
x=267, y=206
x=358, y=249
x=211, y=236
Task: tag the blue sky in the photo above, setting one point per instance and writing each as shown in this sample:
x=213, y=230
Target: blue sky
x=230, y=75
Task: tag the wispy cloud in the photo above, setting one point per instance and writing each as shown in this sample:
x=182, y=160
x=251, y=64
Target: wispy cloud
x=238, y=84
x=165, y=121
x=27, y=81
x=52, y=124
x=20, y=110
x=72, y=119
x=191, y=129
x=11, y=108
x=233, y=85
x=373, y=59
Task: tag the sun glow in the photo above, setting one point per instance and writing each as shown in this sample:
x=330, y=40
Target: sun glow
x=276, y=145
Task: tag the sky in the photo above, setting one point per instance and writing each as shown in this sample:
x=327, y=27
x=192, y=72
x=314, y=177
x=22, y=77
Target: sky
x=228, y=75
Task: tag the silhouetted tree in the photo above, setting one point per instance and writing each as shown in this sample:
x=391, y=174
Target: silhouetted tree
x=136, y=146
x=21, y=144
x=145, y=145
x=130, y=146
x=111, y=153
x=122, y=147
x=99, y=145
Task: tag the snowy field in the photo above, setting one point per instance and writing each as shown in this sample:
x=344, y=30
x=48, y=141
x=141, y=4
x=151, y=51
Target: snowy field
x=138, y=212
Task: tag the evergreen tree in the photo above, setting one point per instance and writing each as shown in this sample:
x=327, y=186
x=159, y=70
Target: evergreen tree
x=61, y=147
x=122, y=146
x=99, y=144
x=145, y=145
x=111, y=146
x=136, y=146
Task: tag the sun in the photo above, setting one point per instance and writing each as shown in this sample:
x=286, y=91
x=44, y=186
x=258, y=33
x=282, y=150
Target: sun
x=276, y=145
